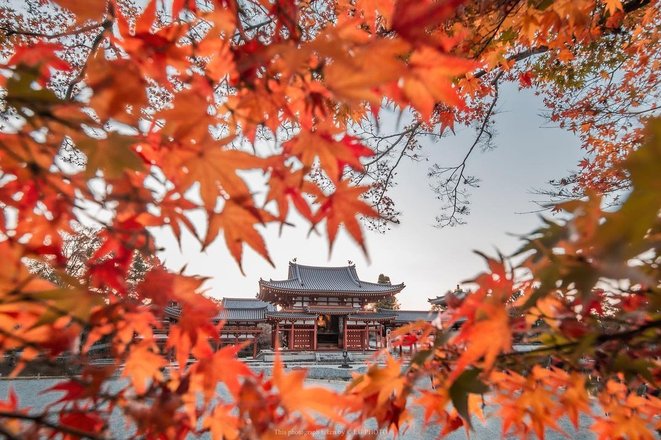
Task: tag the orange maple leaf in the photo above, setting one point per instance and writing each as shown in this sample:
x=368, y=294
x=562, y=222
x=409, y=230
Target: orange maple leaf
x=143, y=366
x=493, y=320
x=341, y=207
x=238, y=221
x=215, y=169
x=296, y=397
x=333, y=154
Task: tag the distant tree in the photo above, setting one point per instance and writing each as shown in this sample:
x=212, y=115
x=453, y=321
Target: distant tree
x=78, y=248
x=436, y=308
x=389, y=303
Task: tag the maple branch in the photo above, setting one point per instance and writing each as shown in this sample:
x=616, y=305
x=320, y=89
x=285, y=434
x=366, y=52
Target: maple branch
x=493, y=33
x=392, y=169
x=10, y=32
x=519, y=56
x=42, y=420
x=602, y=338
x=453, y=194
x=410, y=131
x=107, y=24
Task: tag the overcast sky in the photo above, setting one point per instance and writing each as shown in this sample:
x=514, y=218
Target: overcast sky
x=428, y=260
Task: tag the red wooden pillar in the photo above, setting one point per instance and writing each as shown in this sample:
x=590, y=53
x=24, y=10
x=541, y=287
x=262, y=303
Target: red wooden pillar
x=344, y=333
x=276, y=336
x=291, y=336
x=314, y=336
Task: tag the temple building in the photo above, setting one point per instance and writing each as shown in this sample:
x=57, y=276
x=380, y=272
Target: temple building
x=441, y=302
x=243, y=322
x=327, y=308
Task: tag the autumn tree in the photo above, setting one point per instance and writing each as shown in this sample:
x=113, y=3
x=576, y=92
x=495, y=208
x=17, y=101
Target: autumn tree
x=129, y=117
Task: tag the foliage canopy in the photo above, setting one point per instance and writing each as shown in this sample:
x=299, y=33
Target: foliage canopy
x=131, y=117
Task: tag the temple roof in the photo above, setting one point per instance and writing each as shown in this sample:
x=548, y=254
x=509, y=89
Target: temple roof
x=290, y=315
x=373, y=316
x=441, y=300
x=243, y=309
x=331, y=310
x=245, y=303
x=337, y=280
x=406, y=316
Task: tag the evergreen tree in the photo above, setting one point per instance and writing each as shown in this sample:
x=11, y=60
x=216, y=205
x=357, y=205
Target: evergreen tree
x=389, y=303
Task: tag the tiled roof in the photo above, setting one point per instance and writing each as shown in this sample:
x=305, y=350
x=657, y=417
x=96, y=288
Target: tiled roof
x=290, y=315
x=243, y=309
x=342, y=279
x=441, y=299
x=331, y=310
x=404, y=316
x=241, y=314
x=172, y=311
x=372, y=316
x=245, y=303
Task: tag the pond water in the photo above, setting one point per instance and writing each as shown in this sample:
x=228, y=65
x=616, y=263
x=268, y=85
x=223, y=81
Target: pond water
x=30, y=394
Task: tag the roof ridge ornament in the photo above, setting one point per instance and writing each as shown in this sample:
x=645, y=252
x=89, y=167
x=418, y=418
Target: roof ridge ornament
x=298, y=274
x=357, y=282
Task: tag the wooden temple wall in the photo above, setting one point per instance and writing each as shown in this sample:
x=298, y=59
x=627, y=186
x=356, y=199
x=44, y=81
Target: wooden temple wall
x=303, y=339
x=356, y=338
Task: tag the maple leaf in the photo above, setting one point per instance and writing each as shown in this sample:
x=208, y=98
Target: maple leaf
x=467, y=383
x=113, y=156
x=83, y=11
x=412, y=18
x=285, y=185
x=173, y=209
x=161, y=286
x=333, y=154
x=73, y=390
x=360, y=77
x=215, y=169
x=82, y=421
x=143, y=366
x=612, y=6
x=430, y=80
x=118, y=85
x=238, y=221
x=13, y=424
x=493, y=321
x=42, y=56
x=447, y=119
x=341, y=207
x=194, y=330
x=382, y=392
x=223, y=366
x=296, y=397
x=221, y=423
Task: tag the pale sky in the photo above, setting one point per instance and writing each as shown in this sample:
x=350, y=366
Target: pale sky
x=428, y=260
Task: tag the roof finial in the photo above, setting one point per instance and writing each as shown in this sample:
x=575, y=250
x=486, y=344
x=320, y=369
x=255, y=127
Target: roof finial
x=350, y=262
x=293, y=260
